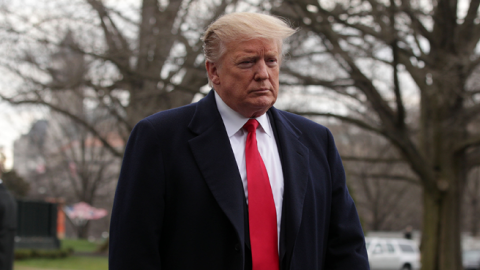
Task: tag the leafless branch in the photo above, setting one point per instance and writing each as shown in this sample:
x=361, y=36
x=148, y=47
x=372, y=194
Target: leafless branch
x=473, y=158
x=473, y=141
x=391, y=177
x=76, y=118
x=372, y=160
x=356, y=122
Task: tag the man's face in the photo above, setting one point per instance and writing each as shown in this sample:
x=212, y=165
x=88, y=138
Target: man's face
x=246, y=76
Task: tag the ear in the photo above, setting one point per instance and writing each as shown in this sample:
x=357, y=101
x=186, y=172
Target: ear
x=212, y=71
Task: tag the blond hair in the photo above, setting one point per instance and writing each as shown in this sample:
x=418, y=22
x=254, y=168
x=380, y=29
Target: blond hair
x=243, y=26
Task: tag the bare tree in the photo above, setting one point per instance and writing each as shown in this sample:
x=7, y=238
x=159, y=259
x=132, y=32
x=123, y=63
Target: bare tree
x=78, y=167
x=70, y=162
x=138, y=59
x=357, y=53
x=386, y=192
x=472, y=203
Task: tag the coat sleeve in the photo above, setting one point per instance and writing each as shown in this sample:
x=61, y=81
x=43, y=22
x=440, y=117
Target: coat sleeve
x=346, y=241
x=138, y=209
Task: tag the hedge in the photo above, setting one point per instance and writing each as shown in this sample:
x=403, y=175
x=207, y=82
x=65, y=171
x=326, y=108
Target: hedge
x=23, y=254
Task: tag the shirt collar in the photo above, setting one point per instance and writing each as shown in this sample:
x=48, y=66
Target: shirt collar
x=234, y=121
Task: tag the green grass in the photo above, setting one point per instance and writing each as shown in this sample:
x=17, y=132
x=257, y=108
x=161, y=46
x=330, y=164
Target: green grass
x=79, y=245
x=73, y=262
x=70, y=263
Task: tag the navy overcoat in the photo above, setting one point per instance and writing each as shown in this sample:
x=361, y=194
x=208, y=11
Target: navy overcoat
x=180, y=204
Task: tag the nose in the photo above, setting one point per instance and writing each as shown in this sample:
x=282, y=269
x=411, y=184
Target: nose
x=261, y=72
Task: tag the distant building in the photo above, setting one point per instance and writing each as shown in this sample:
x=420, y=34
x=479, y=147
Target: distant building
x=29, y=157
x=61, y=160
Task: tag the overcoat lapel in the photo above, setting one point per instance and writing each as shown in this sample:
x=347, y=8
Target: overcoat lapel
x=214, y=156
x=295, y=164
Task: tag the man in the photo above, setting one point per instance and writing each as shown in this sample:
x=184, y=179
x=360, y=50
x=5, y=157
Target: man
x=196, y=191
x=8, y=224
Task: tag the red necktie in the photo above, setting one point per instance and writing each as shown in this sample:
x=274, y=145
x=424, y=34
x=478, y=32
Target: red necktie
x=262, y=215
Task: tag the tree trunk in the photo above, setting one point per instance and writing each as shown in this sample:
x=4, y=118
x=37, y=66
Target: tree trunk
x=82, y=230
x=475, y=219
x=441, y=241
x=474, y=206
x=441, y=234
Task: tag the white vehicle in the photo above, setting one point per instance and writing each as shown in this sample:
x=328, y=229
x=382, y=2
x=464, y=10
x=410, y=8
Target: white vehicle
x=392, y=254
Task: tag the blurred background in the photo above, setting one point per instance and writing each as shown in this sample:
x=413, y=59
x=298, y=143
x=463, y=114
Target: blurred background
x=396, y=81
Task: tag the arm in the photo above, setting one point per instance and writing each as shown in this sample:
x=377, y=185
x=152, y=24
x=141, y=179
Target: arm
x=346, y=242
x=137, y=215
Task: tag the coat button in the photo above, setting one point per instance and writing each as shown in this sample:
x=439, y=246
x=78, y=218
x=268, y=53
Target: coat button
x=237, y=247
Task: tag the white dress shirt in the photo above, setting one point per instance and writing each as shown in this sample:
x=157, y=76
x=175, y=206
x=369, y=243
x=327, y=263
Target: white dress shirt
x=267, y=147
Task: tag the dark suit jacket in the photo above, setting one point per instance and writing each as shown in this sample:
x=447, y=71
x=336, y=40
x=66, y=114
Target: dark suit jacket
x=180, y=203
x=8, y=224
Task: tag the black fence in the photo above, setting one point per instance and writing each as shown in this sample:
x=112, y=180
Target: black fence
x=36, y=225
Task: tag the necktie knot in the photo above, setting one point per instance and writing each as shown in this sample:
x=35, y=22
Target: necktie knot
x=251, y=125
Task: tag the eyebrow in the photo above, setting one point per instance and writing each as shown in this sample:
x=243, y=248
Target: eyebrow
x=272, y=53
x=255, y=51
x=254, y=55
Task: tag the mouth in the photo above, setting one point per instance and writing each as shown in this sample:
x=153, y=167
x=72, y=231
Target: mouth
x=260, y=91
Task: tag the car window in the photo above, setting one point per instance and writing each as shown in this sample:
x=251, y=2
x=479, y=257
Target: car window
x=406, y=248
x=378, y=249
x=390, y=248
x=471, y=255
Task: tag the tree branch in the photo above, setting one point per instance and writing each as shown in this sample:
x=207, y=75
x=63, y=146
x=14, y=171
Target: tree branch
x=309, y=80
x=468, y=26
x=470, y=142
x=473, y=158
x=77, y=119
x=390, y=177
x=347, y=119
x=400, y=119
x=372, y=160
x=117, y=44
x=416, y=23
x=470, y=113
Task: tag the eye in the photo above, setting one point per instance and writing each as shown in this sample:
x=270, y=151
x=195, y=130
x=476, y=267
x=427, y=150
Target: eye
x=246, y=63
x=272, y=61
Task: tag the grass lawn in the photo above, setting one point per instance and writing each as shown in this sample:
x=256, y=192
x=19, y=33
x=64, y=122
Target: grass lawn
x=70, y=263
x=79, y=245
x=73, y=262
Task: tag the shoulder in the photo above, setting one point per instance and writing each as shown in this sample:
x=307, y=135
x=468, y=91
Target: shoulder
x=161, y=126
x=168, y=119
x=171, y=116
x=304, y=125
x=314, y=136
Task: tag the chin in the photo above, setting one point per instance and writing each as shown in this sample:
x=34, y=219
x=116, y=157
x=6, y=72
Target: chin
x=260, y=109
x=265, y=101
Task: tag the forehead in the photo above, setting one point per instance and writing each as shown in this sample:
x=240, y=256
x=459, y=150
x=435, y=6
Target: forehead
x=252, y=47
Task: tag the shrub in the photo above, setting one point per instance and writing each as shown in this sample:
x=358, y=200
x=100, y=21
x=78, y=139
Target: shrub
x=23, y=254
